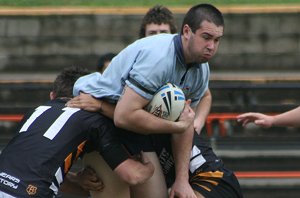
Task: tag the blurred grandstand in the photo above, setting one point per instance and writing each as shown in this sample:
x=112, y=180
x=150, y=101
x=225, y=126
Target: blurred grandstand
x=256, y=69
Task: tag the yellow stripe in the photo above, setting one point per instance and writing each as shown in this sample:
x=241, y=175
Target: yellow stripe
x=68, y=163
x=210, y=181
x=208, y=177
x=80, y=149
x=206, y=188
x=216, y=174
x=68, y=160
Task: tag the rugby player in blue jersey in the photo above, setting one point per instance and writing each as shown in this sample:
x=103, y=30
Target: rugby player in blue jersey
x=138, y=71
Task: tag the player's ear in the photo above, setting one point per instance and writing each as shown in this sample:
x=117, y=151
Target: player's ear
x=52, y=95
x=186, y=31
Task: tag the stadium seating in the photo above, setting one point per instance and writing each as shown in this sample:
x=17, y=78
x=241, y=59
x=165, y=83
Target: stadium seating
x=265, y=160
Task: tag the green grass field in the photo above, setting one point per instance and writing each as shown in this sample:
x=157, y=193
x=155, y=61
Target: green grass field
x=130, y=3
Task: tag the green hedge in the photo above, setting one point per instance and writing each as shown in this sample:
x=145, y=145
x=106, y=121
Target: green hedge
x=124, y=3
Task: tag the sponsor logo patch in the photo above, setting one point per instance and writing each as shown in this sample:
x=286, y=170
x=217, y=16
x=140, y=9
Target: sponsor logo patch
x=31, y=189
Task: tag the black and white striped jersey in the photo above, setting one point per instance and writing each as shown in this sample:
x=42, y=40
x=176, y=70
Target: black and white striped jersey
x=49, y=140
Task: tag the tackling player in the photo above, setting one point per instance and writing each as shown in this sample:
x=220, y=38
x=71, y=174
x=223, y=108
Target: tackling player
x=207, y=173
x=36, y=161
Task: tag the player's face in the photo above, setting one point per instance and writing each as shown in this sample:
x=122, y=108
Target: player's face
x=152, y=29
x=203, y=44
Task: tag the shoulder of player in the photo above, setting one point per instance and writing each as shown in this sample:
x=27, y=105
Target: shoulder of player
x=158, y=40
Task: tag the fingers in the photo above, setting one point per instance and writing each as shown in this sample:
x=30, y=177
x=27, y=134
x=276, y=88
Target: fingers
x=247, y=118
x=77, y=102
x=250, y=115
x=256, y=118
x=171, y=194
x=94, y=186
x=90, y=180
x=74, y=102
x=187, y=106
x=144, y=158
x=188, y=102
x=245, y=115
x=91, y=174
x=245, y=122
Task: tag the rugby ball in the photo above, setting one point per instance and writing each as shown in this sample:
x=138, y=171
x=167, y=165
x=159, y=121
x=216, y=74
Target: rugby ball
x=167, y=103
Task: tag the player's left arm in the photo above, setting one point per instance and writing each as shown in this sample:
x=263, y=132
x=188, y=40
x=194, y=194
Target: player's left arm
x=89, y=103
x=202, y=110
x=182, y=144
x=131, y=115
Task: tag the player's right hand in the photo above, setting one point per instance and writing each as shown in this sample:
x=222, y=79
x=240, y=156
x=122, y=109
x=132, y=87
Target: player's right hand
x=259, y=119
x=181, y=189
x=86, y=102
x=88, y=180
x=187, y=116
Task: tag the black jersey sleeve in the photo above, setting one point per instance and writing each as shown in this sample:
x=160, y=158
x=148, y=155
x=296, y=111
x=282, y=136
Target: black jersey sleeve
x=104, y=139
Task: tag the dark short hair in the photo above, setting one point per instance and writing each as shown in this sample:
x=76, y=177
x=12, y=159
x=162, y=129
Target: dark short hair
x=201, y=12
x=158, y=15
x=103, y=58
x=64, y=82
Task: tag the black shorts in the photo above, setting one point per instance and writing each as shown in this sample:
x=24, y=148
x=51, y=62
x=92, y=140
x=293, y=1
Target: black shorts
x=163, y=149
x=105, y=140
x=135, y=143
x=216, y=184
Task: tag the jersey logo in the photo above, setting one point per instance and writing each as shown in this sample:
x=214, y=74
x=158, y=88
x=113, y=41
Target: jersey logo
x=31, y=189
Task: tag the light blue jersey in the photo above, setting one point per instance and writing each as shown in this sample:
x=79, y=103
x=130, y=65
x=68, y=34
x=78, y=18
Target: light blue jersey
x=145, y=66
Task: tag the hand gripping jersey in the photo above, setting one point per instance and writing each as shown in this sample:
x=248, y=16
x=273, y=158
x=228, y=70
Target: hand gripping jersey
x=36, y=160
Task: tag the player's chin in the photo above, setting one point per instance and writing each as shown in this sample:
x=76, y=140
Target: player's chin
x=202, y=60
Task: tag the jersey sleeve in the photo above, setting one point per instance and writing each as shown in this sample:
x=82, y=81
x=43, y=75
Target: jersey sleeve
x=103, y=138
x=150, y=71
x=87, y=84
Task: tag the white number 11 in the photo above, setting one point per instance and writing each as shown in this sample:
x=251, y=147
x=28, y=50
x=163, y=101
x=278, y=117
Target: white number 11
x=54, y=129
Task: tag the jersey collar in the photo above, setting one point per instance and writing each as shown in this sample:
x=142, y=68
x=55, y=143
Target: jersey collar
x=179, y=51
